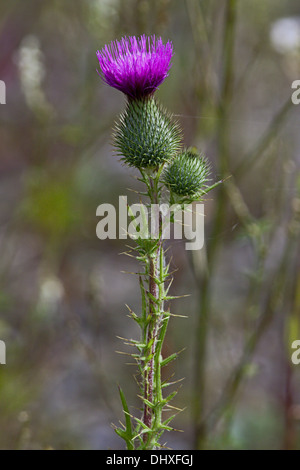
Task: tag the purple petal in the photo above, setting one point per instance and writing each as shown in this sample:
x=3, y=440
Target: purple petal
x=135, y=66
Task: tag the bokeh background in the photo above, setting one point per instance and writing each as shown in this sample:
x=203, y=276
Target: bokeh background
x=62, y=291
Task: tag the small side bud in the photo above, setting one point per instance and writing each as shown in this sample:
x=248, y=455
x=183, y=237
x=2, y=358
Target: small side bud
x=187, y=175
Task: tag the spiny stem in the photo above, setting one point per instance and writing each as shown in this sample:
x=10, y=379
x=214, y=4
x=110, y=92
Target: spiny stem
x=153, y=323
x=151, y=374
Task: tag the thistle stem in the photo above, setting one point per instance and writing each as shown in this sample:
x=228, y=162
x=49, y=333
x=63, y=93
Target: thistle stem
x=152, y=374
x=151, y=339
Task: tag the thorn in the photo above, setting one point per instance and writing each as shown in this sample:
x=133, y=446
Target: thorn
x=167, y=384
x=164, y=446
x=120, y=337
x=130, y=310
x=180, y=316
x=130, y=272
x=133, y=190
x=175, y=408
x=125, y=354
x=127, y=254
x=120, y=422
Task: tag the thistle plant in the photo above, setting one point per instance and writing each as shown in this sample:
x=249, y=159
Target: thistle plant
x=147, y=138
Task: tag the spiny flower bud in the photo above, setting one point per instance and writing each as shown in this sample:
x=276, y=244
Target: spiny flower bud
x=187, y=175
x=145, y=135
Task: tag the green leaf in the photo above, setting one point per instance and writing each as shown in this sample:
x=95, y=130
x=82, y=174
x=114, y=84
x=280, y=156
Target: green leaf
x=126, y=435
x=171, y=358
x=169, y=397
x=147, y=402
x=154, y=299
x=168, y=420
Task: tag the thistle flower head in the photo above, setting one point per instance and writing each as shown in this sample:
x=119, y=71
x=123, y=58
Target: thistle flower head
x=187, y=175
x=135, y=66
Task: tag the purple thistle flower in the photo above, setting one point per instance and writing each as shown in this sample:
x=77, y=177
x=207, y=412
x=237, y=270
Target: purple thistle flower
x=135, y=66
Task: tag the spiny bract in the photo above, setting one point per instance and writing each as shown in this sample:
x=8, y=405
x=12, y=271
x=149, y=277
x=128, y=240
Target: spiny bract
x=145, y=136
x=187, y=174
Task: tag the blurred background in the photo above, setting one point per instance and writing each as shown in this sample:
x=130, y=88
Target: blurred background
x=62, y=291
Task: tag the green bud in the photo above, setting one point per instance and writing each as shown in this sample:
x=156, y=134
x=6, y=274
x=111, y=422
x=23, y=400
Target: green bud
x=187, y=175
x=145, y=136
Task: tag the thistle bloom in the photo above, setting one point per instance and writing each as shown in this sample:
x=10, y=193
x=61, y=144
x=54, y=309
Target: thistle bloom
x=135, y=66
